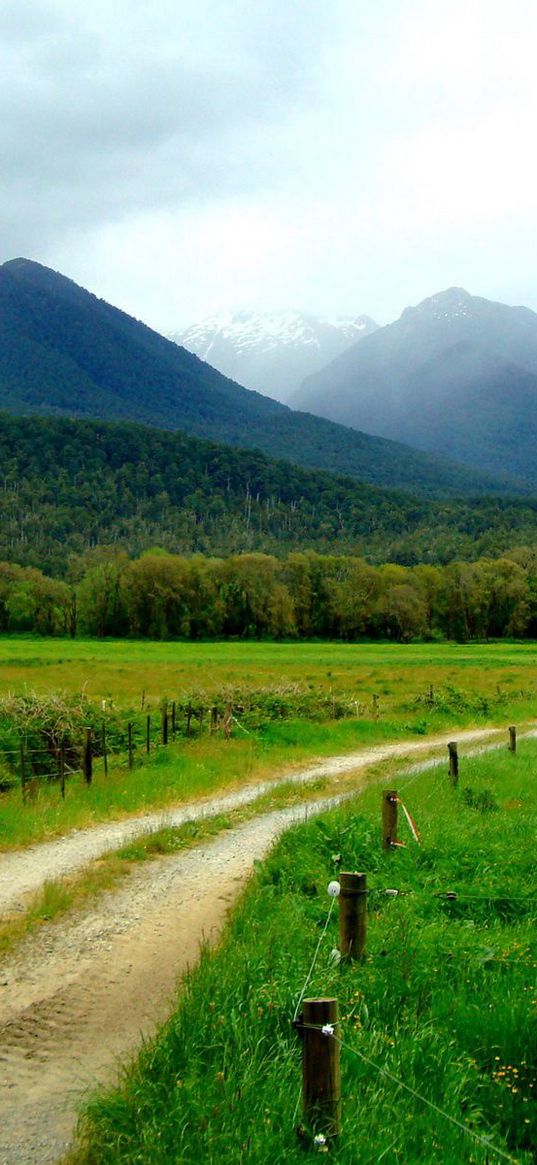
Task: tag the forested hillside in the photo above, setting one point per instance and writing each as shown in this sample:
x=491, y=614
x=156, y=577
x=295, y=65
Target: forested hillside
x=63, y=351
x=66, y=486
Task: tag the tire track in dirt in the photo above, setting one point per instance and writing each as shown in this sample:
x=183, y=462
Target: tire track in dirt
x=80, y=997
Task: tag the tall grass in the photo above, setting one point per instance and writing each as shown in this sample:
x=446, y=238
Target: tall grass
x=445, y=1000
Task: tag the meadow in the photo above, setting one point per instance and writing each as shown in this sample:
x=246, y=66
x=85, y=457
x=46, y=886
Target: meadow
x=393, y=691
x=125, y=670
x=441, y=1012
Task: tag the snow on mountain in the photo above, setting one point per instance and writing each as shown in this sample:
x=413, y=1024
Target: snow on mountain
x=271, y=352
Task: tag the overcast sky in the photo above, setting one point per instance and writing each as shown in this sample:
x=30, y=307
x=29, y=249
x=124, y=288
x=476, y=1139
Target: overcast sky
x=182, y=157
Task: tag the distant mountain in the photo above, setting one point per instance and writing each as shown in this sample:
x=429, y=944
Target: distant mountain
x=455, y=375
x=272, y=352
x=63, y=351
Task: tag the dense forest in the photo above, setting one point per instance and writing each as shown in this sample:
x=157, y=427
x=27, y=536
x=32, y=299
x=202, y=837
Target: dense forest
x=303, y=595
x=67, y=486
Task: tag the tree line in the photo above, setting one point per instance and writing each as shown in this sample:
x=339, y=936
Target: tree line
x=304, y=595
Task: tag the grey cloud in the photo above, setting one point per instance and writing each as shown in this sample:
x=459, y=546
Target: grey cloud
x=96, y=125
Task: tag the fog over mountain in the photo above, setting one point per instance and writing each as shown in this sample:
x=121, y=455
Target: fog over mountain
x=272, y=352
x=457, y=374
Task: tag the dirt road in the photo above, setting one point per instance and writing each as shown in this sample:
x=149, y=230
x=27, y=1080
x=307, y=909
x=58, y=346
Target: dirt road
x=76, y=998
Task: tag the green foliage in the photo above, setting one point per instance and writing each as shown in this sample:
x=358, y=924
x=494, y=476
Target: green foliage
x=42, y=723
x=484, y=800
x=256, y=596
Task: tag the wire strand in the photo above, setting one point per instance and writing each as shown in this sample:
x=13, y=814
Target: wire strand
x=314, y=960
x=482, y=1140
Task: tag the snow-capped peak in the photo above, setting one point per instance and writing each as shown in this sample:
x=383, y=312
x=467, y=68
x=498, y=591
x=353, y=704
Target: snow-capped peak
x=271, y=351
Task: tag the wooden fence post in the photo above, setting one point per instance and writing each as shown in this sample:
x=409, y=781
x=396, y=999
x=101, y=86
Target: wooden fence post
x=352, y=914
x=376, y=712
x=131, y=760
x=87, y=760
x=174, y=724
x=389, y=818
x=104, y=748
x=321, y=1068
x=62, y=768
x=512, y=739
x=453, y=761
x=23, y=771
x=148, y=735
x=165, y=723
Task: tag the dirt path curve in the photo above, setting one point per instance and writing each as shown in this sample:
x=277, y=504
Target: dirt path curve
x=25, y=871
x=76, y=998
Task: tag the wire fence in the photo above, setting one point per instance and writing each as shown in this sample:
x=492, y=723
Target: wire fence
x=445, y=897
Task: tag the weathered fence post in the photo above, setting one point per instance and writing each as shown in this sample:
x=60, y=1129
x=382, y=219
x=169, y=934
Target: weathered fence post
x=174, y=723
x=352, y=914
x=87, y=760
x=23, y=771
x=389, y=818
x=62, y=769
x=104, y=748
x=131, y=759
x=165, y=722
x=321, y=1068
x=227, y=721
x=376, y=712
x=453, y=761
x=512, y=739
x=148, y=735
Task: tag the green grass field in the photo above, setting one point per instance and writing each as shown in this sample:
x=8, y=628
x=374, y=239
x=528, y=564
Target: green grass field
x=445, y=1001
x=482, y=684
x=122, y=670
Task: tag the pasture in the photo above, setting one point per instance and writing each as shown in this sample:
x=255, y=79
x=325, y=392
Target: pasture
x=124, y=670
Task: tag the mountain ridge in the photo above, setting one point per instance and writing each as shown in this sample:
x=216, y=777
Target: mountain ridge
x=386, y=384
x=63, y=351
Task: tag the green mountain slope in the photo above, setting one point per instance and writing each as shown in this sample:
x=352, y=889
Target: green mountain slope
x=63, y=351
x=68, y=485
